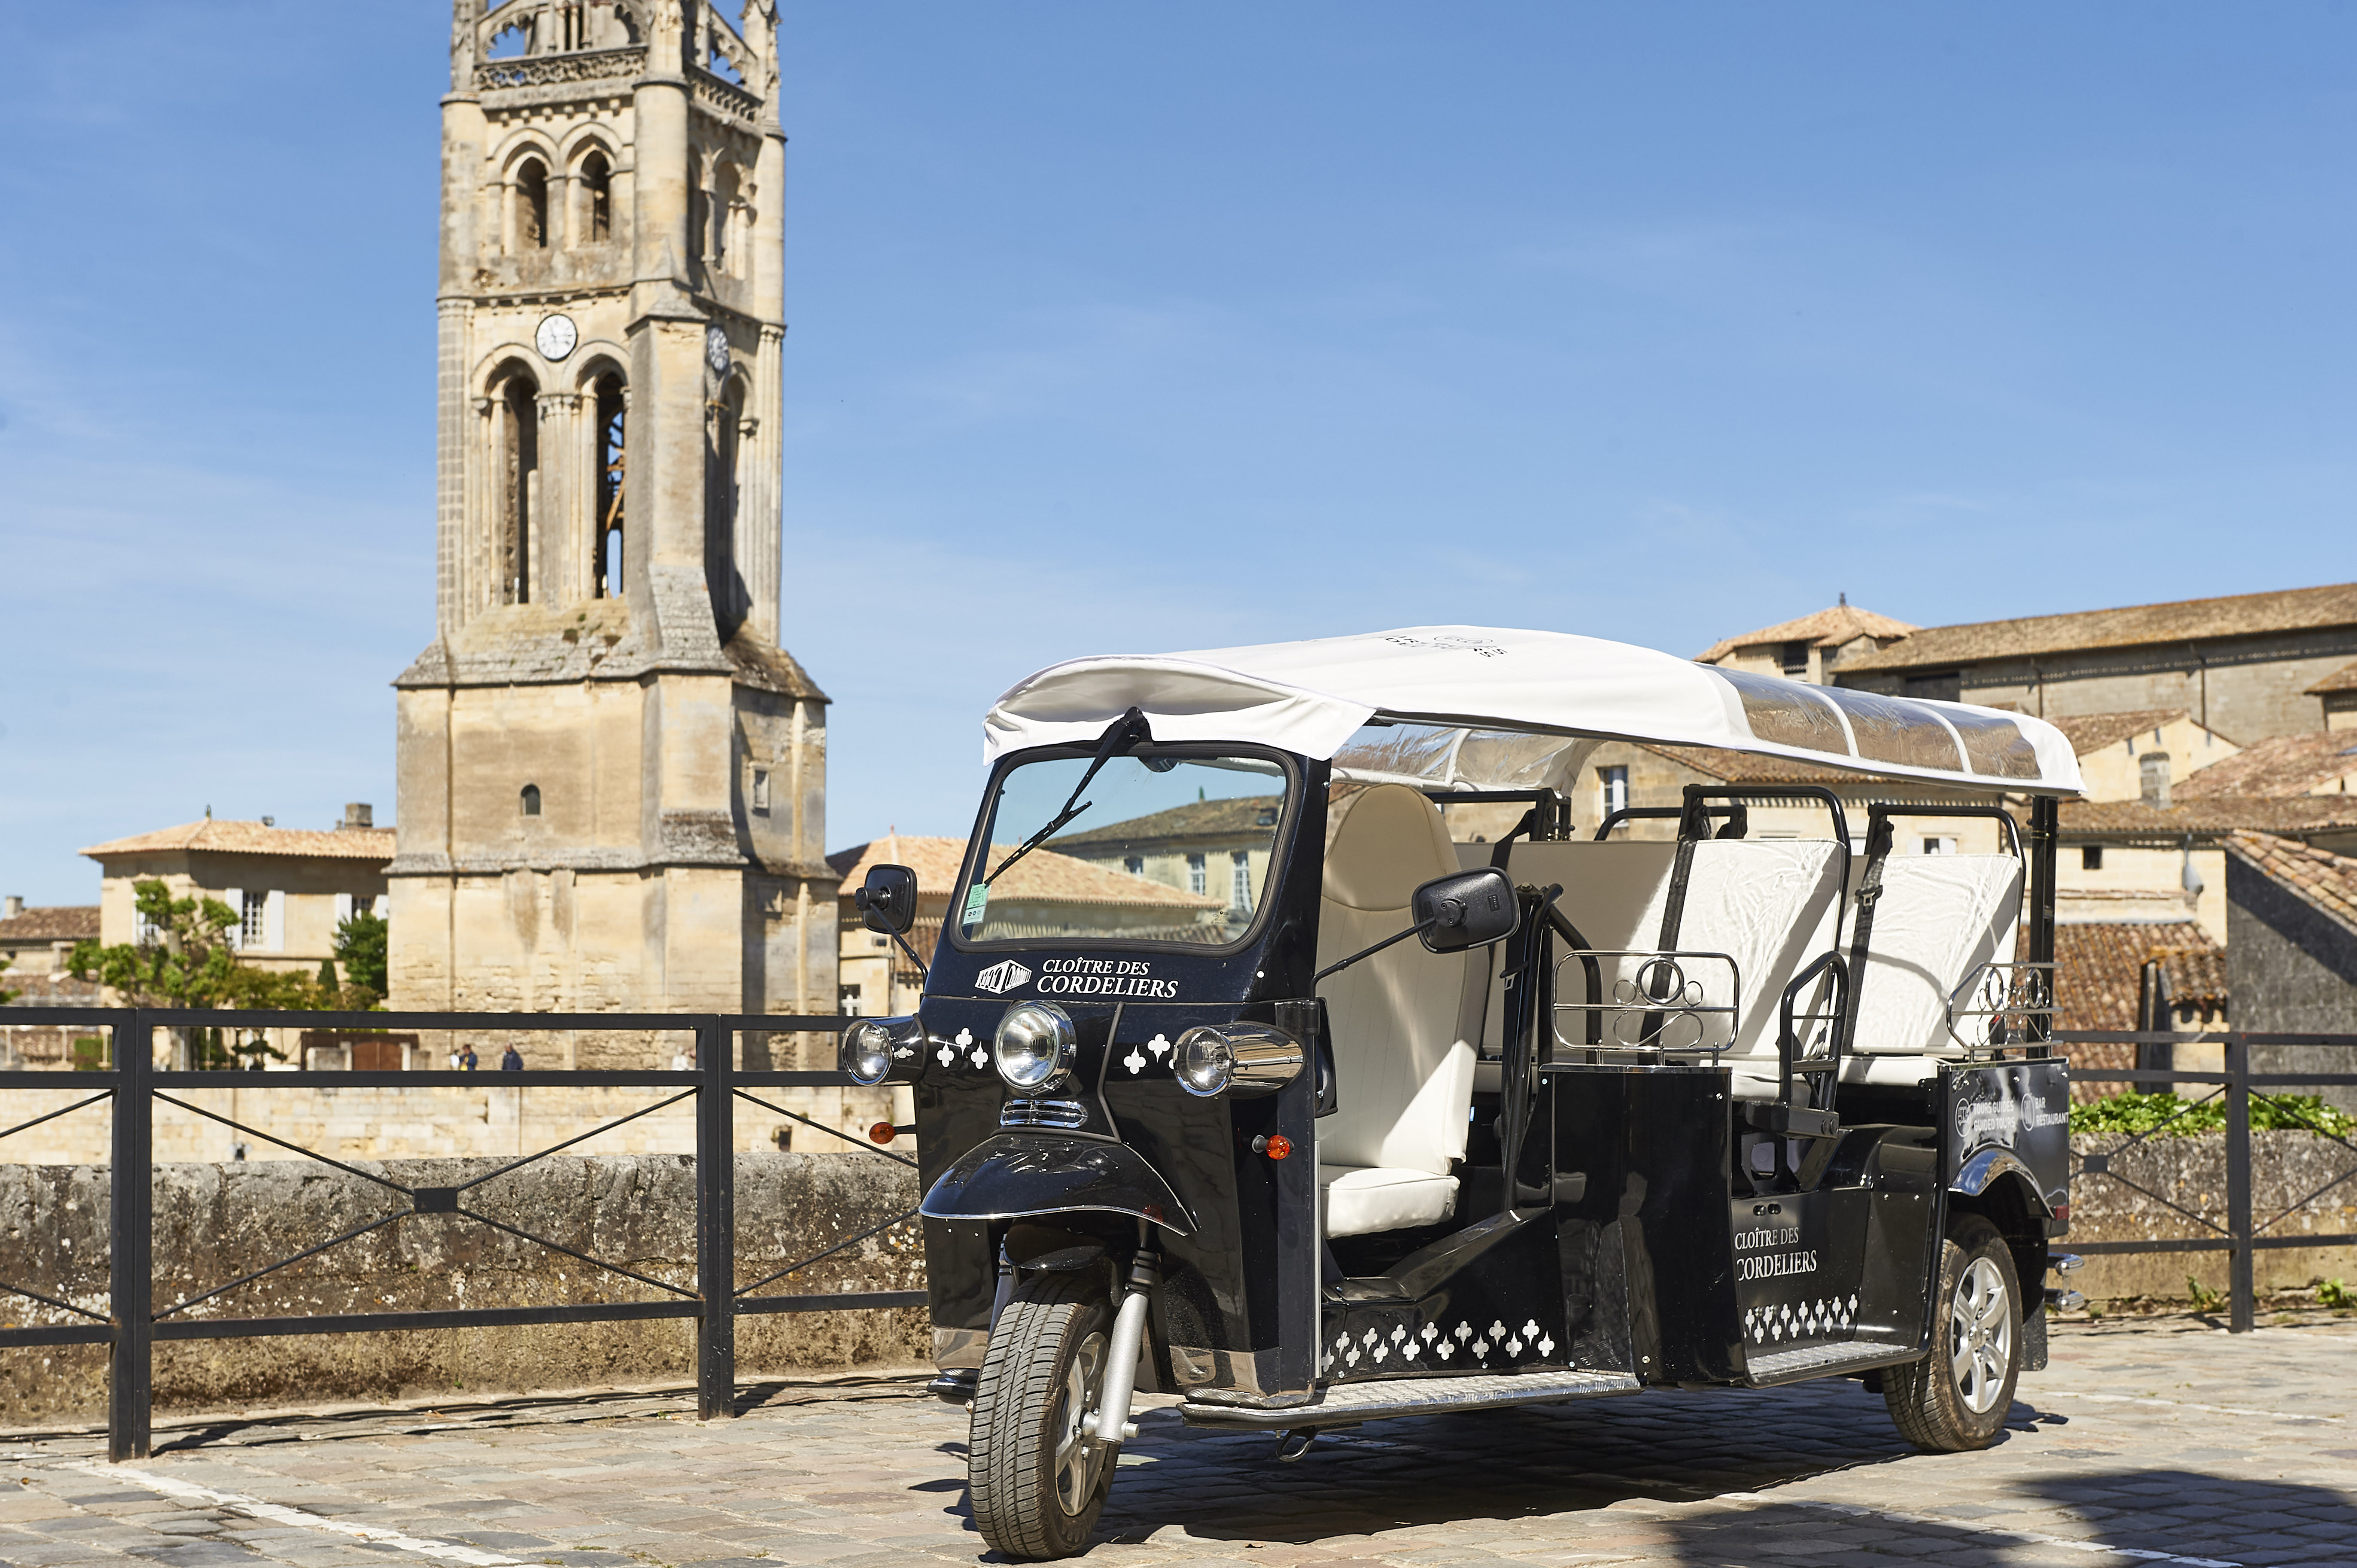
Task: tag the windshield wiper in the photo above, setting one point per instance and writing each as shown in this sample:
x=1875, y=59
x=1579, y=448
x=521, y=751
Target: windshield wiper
x=1125, y=732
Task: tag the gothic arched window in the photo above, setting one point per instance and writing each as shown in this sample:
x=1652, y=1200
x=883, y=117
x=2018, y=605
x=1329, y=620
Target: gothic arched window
x=724, y=417
x=531, y=205
x=529, y=801
x=612, y=461
x=517, y=438
x=597, y=200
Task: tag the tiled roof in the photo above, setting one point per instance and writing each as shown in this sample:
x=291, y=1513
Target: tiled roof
x=2209, y=817
x=2327, y=881
x=2243, y=615
x=1743, y=768
x=1831, y=628
x=2277, y=768
x=2099, y=970
x=2341, y=680
x=1042, y=876
x=2093, y=732
x=222, y=837
x=1197, y=819
x=54, y=923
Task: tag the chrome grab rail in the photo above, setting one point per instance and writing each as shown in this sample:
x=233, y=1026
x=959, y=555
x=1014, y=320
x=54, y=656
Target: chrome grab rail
x=1657, y=1012
x=2001, y=993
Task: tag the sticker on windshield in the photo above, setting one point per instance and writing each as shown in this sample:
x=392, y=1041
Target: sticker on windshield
x=977, y=899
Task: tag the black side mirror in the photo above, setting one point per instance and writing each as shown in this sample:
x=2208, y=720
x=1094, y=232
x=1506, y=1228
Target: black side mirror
x=888, y=903
x=1469, y=909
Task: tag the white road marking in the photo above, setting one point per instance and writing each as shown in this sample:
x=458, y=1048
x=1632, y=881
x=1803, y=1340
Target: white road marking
x=2186, y=1404
x=2034, y=1538
x=277, y=1513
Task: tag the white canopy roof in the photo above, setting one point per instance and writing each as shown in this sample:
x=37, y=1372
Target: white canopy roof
x=1476, y=707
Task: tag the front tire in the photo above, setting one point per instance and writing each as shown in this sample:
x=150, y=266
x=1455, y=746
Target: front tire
x=1956, y=1397
x=1037, y=1488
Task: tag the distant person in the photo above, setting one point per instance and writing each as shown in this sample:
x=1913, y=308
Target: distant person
x=466, y=1062
x=512, y=1061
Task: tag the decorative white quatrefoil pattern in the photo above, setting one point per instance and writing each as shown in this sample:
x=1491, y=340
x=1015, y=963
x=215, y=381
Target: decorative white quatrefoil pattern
x=1158, y=1045
x=1795, y=1321
x=1406, y=1342
x=1133, y=1062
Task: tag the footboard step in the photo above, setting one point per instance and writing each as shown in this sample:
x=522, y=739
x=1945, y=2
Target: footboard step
x=1822, y=1361
x=1378, y=1400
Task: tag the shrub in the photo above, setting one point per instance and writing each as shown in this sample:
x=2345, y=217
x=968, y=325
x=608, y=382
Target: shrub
x=2171, y=1117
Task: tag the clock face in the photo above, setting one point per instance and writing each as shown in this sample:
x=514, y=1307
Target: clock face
x=556, y=337
x=716, y=349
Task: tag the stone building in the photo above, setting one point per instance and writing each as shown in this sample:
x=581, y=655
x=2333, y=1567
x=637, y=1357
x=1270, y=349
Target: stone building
x=2247, y=667
x=37, y=942
x=1812, y=648
x=2292, y=957
x=611, y=778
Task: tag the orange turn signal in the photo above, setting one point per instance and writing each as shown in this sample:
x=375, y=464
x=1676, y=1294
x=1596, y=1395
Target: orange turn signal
x=1280, y=1145
x=882, y=1132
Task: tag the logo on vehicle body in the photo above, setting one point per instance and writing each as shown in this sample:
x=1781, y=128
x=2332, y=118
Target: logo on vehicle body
x=1001, y=977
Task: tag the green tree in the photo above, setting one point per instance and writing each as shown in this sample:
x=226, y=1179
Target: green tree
x=6, y=995
x=360, y=948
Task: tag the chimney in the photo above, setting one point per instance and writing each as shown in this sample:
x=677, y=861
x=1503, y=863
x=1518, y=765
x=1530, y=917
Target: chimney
x=2154, y=766
x=358, y=814
x=13, y=907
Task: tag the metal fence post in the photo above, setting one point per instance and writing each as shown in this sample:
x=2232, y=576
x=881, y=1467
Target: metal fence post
x=2240, y=1295
x=132, y=1257
x=715, y=1223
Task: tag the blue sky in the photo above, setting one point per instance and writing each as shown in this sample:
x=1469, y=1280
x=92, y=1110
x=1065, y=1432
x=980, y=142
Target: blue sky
x=1117, y=326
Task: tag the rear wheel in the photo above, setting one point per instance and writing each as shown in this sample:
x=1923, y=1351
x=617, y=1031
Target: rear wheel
x=1037, y=1485
x=1956, y=1397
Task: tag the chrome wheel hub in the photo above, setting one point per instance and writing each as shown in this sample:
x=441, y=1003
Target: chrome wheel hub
x=1980, y=1336
x=1077, y=1458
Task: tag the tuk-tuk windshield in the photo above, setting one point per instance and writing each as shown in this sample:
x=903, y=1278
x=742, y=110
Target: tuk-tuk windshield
x=1160, y=849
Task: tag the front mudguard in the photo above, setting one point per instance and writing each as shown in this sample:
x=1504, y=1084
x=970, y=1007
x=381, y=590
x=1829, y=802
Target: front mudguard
x=1017, y=1175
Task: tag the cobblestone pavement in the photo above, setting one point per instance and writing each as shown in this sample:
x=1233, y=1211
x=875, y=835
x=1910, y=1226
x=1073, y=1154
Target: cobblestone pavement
x=2155, y=1441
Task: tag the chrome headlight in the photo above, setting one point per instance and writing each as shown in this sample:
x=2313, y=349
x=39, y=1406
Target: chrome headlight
x=867, y=1049
x=1250, y=1059
x=1035, y=1046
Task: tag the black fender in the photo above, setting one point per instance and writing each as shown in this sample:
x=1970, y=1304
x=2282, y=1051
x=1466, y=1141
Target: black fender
x=1988, y=1166
x=1018, y=1174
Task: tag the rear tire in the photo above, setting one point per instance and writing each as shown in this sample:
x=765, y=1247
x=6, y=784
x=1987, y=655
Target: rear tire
x=1037, y=1486
x=1956, y=1397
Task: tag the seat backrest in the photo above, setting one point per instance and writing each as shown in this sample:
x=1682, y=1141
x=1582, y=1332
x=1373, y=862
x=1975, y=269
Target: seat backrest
x=1939, y=917
x=1612, y=892
x=1405, y=1077
x=1772, y=905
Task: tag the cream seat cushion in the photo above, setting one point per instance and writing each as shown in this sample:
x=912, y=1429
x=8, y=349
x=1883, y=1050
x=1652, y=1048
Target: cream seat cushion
x=1405, y=1075
x=1938, y=918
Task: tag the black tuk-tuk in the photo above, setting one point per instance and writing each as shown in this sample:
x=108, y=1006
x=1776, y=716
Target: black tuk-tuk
x=1238, y=1077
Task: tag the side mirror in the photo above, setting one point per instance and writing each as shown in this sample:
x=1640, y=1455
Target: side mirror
x=1469, y=910
x=887, y=902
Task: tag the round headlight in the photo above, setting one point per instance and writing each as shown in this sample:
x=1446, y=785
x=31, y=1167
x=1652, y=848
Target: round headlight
x=1035, y=1046
x=865, y=1052
x=1204, y=1061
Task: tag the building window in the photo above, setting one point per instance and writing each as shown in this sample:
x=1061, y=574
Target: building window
x=762, y=791
x=1796, y=661
x=532, y=206
x=2091, y=857
x=1938, y=844
x=597, y=198
x=518, y=453
x=846, y=999
x=2153, y=766
x=1240, y=882
x=605, y=563
x=1197, y=880
x=529, y=801
x=1616, y=788
x=253, y=923
x=1135, y=864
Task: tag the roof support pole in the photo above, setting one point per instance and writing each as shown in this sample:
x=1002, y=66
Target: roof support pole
x=2045, y=835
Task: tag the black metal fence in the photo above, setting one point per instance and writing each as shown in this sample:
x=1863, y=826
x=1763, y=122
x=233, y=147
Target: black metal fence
x=134, y=1323
x=2237, y=1230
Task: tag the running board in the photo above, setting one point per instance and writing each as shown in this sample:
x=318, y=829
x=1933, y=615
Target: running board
x=1343, y=1404
x=1824, y=1361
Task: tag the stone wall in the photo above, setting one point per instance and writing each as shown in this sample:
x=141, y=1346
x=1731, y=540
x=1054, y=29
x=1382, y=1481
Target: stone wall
x=216, y=1222
x=2191, y=1173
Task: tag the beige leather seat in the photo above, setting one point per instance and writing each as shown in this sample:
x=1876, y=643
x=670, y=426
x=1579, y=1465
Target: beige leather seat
x=1940, y=918
x=1404, y=1074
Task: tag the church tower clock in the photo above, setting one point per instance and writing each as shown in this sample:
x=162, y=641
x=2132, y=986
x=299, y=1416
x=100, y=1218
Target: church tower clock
x=611, y=778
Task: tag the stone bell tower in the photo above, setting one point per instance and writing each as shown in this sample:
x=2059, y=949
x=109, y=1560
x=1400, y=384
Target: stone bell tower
x=611, y=779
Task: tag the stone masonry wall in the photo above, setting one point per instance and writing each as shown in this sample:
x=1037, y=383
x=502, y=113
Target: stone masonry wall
x=2191, y=1174
x=215, y=1222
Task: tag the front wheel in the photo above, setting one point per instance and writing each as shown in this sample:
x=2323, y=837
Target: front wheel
x=1955, y=1399
x=1038, y=1485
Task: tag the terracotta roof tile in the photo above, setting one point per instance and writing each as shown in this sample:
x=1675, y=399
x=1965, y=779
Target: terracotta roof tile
x=1043, y=876
x=2341, y=680
x=218, y=837
x=2093, y=732
x=2326, y=881
x=2099, y=970
x=2211, y=816
x=1830, y=628
x=2242, y=615
x=2277, y=768
x=52, y=923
